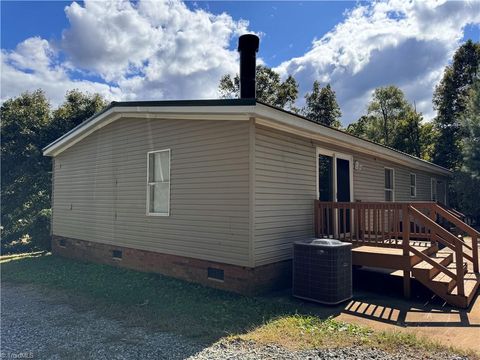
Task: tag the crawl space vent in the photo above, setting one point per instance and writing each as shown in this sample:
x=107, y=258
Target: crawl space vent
x=215, y=274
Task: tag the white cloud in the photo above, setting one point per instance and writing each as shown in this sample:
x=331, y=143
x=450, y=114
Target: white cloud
x=402, y=43
x=153, y=49
x=144, y=50
x=164, y=50
x=34, y=64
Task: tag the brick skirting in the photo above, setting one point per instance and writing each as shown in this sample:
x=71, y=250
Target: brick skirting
x=239, y=279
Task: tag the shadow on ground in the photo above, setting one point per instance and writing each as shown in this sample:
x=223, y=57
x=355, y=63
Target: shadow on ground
x=378, y=296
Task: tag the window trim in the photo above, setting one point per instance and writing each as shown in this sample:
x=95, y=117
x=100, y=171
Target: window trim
x=432, y=181
x=148, y=213
x=414, y=186
x=393, y=184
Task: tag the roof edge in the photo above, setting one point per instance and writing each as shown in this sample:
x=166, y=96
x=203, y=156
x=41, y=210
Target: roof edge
x=362, y=140
x=154, y=103
x=137, y=105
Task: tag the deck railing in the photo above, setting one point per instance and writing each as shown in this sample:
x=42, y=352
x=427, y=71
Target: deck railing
x=400, y=225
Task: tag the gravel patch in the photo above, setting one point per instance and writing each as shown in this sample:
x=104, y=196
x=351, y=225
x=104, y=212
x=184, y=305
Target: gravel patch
x=34, y=325
x=236, y=350
x=40, y=325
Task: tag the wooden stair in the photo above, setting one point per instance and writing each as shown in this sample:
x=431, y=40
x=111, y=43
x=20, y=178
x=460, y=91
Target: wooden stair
x=443, y=285
x=451, y=273
x=411, y=233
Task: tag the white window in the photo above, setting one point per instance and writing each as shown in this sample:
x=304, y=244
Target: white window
x=389, y=185
x=158, y=182
x=413, y=185
x=434, y=190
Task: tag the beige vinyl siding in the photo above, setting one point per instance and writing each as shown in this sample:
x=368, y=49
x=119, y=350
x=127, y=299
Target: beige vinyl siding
x=100, y=188
x=285, y=187
x=369, y=181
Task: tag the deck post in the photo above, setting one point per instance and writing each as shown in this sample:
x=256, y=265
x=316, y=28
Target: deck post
x=475, y=253
x=433, y=217
x=406, y=250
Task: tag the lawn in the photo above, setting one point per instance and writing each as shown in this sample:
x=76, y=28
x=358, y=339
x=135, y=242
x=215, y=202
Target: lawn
x=198, y=312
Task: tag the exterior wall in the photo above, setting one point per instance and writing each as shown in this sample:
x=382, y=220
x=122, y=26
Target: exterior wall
x=240, y=279
x=369, y=181
x=100, y=188
x=285, y=187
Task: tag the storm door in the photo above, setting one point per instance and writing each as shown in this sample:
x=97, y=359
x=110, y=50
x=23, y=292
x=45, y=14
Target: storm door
x=334, y=185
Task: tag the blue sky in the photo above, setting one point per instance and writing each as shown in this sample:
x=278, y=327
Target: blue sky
x=154, y=50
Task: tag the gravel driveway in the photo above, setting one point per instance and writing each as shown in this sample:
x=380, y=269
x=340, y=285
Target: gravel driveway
x=37, y=325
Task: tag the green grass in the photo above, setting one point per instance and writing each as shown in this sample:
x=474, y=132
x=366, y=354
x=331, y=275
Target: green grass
x=169, y=304
x=195, y=311
x=306, y=332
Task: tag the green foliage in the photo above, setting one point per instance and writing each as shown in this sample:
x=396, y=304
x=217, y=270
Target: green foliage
x=407, y=135
x=270, y=88
x=466, y=183
x=387, y=107
x=28, y=125
x=392, y=121
x=470, y=125
x=450, y=99
x=362, y=127
x=321, y=106
x=428, y=139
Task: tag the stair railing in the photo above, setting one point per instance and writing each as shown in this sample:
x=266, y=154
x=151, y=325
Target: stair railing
x=474, y=234
x=449, y=240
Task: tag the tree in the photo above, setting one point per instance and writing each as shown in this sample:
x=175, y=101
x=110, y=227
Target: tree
x=28, y=125
x=25, y=177
x=393, y=121
x=407, y=136
x=466, y=182
x=361, y=127
x=321, y=106
x=388, y=104
x=270, y=88
x=470, y=124
x=449, y=100
x=77, y=108
x=428, y=139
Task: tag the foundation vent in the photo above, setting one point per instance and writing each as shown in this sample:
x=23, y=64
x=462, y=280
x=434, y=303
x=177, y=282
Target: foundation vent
x=215, y=274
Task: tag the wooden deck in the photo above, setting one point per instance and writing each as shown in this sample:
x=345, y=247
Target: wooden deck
x=408, y=237
x=389, y=257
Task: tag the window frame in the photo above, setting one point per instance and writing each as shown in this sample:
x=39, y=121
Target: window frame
x=148, y=213
x=393, y=184
x=413, y=186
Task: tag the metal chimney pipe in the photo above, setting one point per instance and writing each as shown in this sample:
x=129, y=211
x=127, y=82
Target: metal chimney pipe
x=248, y=47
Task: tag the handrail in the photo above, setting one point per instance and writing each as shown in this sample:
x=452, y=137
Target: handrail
x=432, y=262
x=396, y=224
x=457, y=222
x=474, y=234
x=437, y=228
x=455, y=212
x=455, y=244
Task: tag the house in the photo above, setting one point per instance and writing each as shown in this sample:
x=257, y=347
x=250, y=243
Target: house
x=216, y=191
